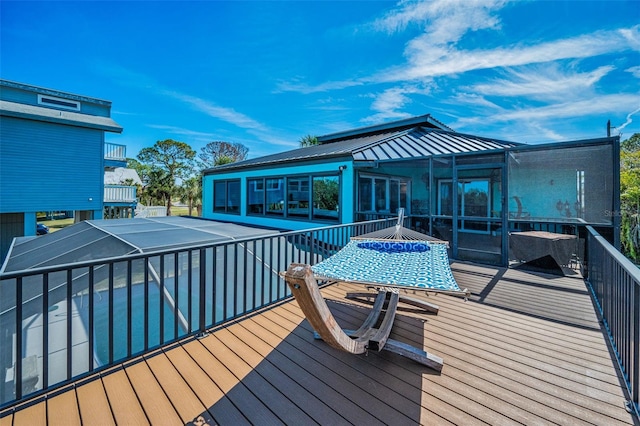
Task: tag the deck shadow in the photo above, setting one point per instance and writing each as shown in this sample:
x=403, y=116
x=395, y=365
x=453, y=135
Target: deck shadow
x=563, y=300
x=301, y=379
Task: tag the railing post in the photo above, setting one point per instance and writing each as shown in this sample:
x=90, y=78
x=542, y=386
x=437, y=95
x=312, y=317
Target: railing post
x=17, y=371
x=201, y=295
x=635, y=380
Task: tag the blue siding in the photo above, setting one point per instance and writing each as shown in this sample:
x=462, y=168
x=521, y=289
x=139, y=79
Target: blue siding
x=46, y=166
x=347, y=194
x=30, y=97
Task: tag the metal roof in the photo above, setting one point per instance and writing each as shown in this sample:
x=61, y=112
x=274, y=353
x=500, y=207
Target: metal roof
x=32, y=112
x=420, y=143
x=427, y=121
x=416, y=142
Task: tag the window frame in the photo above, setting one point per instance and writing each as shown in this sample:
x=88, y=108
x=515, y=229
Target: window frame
x=227, y=182
x=388, y=180
x=302, y=182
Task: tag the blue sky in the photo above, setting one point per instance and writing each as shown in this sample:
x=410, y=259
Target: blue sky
x=267, y=73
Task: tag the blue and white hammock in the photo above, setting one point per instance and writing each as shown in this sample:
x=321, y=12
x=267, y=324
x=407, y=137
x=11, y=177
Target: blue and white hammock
x=421, y=264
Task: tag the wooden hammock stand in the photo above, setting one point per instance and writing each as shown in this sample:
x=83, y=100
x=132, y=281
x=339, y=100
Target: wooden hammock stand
x=304, y=287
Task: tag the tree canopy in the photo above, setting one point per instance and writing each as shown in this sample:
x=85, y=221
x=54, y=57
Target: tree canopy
x=217, y=153
x=308, y=140
x=630, y=196
x=169, y=161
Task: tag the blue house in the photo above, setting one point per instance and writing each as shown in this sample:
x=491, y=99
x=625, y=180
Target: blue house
x=469, y=190
x=53, y=157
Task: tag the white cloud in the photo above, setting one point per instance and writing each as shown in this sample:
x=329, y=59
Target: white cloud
x=606, y=104
x=446, y=21
x=389, y=103
x=183, y=132
x=426, y=60
x=305, y=89
x=543, y=82
x=629, y=120
x=635, y=71
x=222, y=113
x=474, y=100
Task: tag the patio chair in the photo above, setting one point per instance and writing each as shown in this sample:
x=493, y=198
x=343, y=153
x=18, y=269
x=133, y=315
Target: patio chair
x=387, y=261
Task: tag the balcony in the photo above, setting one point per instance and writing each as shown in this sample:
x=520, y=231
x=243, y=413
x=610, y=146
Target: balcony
x=115, y=155
x=114, y=194
x=526, y=348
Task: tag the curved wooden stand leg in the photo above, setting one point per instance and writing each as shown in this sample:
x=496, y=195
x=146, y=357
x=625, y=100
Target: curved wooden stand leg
x=303, y=285
x=305, y=289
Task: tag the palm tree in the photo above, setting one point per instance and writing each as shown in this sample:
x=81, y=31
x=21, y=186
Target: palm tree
x=308, y=140
x=191, y=194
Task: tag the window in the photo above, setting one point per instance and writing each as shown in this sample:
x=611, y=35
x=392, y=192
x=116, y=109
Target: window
x=226, y=196
x=382, y=194
x=474, y=200
x=58, y=102
x=255, y=196
x=275, y=196
x=306, y=197
x=298, y=196
x=326, y=197
x=445, y=197
x=365, y=194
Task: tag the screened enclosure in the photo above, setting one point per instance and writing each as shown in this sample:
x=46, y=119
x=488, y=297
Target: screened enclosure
x=573, y=184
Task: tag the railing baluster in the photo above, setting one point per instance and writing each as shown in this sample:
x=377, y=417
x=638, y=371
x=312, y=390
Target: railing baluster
x=69, y=336
x=146, y=303
x=110, y=331
x=129, y=285
x=45, y=330
x=91, y=317
x=161, y=291
x=17, y=371
x=201, y=296
x=224, y=283
x=635, y=365
x=176, y=298
x=214, y=287
x=245, y=269
x=189, y=288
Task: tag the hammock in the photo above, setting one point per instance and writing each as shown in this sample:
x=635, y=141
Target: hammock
x=393, y=257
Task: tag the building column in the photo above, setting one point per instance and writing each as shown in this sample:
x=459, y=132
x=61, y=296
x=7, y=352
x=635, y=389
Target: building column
x=30, y=220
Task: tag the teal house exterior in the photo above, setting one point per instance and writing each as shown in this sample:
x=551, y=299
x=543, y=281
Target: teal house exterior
x=53, y=156
x=472, y=191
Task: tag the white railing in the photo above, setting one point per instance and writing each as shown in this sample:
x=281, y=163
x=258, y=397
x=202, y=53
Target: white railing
x=119, y=194
x=150, y=211
x=114, y=151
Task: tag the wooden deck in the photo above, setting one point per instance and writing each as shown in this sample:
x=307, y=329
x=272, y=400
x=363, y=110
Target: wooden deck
x=525, y=349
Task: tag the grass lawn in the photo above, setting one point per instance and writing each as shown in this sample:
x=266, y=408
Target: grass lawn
x=180, y=211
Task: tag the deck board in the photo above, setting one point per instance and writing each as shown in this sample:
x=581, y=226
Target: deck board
x=35, y=415
x=178, y=391
x=155, y=403
x=93, y=404
x=62, y=410
x=123, y=400
x=254, y=410
x=207, y=390
x=526, y=348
